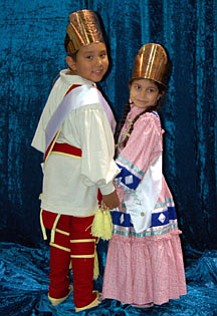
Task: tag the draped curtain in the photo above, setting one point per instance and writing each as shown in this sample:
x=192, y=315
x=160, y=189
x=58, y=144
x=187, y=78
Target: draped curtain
x=32, y=54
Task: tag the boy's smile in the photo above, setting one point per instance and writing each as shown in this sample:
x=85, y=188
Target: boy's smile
x=91, y=62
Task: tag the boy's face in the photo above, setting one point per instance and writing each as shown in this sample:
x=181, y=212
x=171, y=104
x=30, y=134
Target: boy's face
x=91, y=62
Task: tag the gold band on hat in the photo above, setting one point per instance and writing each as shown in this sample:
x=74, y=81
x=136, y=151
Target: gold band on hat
x=84, y=29
x=152, y=63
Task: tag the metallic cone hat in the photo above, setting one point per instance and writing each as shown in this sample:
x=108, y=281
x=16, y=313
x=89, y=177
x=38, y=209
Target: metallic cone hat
x=152, y=63
x=84, y=29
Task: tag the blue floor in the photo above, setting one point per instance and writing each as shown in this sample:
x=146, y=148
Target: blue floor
x=24, y=284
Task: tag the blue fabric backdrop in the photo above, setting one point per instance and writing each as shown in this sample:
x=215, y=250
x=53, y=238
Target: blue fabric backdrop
x=31, y=55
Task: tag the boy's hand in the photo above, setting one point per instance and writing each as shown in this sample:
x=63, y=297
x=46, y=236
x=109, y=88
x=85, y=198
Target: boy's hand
x=110, y=201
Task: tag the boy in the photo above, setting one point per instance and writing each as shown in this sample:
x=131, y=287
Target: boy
x=75, y=135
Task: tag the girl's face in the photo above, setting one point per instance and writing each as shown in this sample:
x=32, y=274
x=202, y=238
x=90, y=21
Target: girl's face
x=144, y=93
x=91, y=62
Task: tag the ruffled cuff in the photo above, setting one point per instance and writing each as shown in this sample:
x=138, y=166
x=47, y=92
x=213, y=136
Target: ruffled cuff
x=107, y=188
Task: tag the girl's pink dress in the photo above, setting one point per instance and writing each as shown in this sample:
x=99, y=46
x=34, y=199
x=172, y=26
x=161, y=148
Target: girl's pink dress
x=144, y=267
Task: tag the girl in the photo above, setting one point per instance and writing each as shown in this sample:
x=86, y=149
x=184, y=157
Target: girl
x=144, y=263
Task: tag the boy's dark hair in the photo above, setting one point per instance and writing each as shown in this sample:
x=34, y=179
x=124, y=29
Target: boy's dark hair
x=66, y=42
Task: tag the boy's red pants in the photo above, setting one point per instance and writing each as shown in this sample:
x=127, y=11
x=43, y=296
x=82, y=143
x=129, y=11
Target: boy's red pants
x=72, y=243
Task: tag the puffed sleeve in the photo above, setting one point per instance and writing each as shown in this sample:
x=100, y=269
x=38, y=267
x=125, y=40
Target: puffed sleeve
x=54, y=99
x=143, y=148
x=97, y=142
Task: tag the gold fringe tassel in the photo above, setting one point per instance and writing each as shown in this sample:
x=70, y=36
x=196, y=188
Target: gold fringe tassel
x=102, y=225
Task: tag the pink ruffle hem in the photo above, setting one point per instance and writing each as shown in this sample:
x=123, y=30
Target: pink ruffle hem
x=144, y=270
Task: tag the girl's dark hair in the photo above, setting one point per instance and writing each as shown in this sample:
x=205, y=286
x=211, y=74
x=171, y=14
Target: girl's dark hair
x=127, y=110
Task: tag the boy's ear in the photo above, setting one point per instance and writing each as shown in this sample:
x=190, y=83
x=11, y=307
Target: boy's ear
x=70, y=62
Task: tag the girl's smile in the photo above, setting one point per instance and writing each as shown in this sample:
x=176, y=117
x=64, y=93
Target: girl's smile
x=144, y=93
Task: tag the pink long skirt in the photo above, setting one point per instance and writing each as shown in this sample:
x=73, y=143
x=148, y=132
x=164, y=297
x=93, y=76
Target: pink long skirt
x=144, y=270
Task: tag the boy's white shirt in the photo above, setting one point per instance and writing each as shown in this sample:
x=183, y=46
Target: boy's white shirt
x=78, y=198
x=75, y=99
x=61, y=86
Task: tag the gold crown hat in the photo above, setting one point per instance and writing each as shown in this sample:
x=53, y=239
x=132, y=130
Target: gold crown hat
x=84, y=29
x=152, y=63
